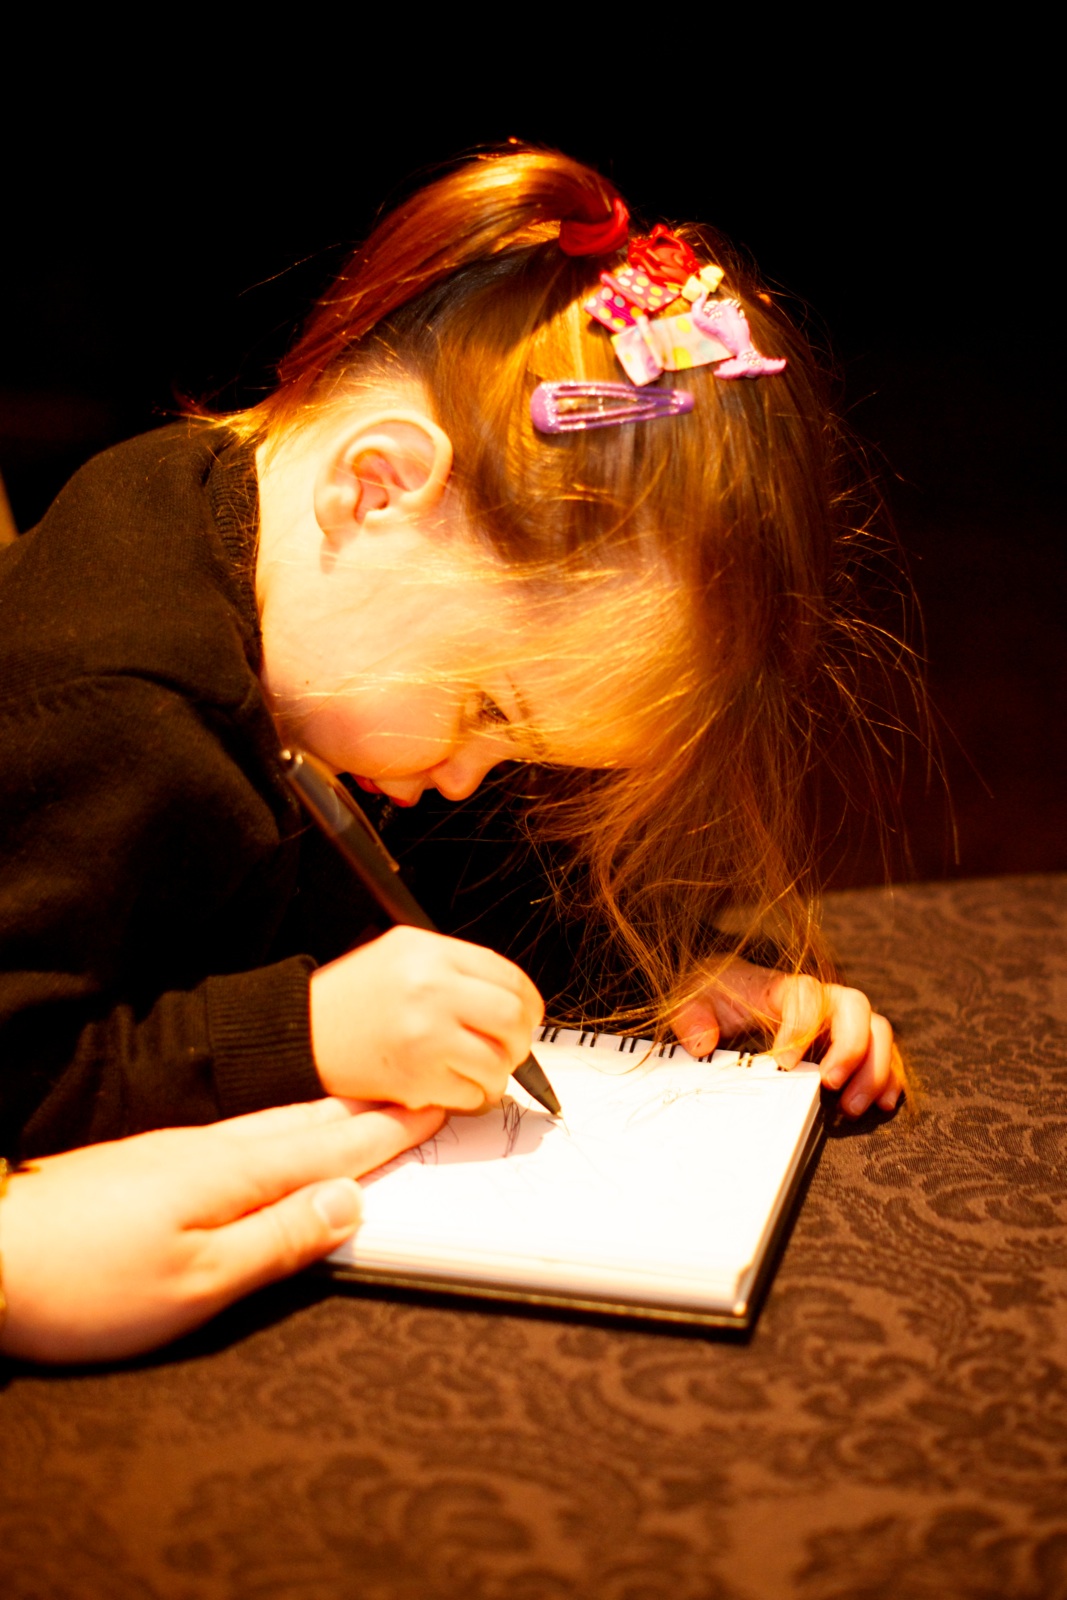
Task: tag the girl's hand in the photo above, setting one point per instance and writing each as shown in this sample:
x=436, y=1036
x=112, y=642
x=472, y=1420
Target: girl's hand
x=421, y=1019
x=861, y=1059
x=119, y=1247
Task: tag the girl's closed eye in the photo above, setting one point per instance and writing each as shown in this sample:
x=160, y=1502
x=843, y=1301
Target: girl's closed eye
x=490, y=714
x=487, y=714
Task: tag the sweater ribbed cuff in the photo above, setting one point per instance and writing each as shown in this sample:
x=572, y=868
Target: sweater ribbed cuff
x=260, y=1028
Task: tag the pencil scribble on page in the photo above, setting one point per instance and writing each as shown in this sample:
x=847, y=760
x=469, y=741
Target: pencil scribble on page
x=428, y=1154
x=512, y=1114
x=651, y=1108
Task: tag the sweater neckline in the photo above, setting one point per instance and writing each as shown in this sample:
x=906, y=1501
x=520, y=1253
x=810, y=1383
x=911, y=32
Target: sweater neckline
x=233, y=490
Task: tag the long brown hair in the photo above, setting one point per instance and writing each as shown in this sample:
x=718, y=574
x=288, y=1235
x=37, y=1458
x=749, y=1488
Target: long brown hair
x=771, y=655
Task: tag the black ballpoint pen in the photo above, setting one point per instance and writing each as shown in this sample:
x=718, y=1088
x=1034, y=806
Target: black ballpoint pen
x=351, y=831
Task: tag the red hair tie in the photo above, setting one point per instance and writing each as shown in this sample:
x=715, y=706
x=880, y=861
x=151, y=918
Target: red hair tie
x=579, y=238
x=665, y=257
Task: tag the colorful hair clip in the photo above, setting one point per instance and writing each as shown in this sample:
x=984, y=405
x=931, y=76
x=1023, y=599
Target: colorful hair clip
x=665, y=257
x=706, y=281
x=611, y=307
x=726, y=322
x=680, y=342
x=635, y=354
x=637, y=287
x=570, y=407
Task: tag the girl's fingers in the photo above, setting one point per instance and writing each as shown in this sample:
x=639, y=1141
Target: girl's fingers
x=496, y=1015
x=470, y=1068
x=894, y=1088
x=850, y=1035
x=877, y=1078
x=861, y=1057
x=249, y=1174
x=801, y=1006
x=696, y=1027
x=475, y=961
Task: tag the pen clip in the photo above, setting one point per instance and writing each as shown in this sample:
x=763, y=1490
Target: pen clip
x=330, y=801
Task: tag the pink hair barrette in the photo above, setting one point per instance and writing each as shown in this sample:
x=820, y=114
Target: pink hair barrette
x=724, y=320
x=570, y=406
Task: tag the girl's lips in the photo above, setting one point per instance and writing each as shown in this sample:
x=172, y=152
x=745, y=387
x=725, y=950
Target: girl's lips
x=370, y=787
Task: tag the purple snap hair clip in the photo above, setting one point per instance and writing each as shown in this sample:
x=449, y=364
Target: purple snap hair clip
x=569, y=407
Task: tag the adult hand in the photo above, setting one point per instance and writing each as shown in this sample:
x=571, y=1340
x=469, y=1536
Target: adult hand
x=117, y=1248
x=861, y=1058
x=421, y=1019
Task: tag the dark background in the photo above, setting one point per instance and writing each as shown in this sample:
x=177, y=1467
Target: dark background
x=171, y=227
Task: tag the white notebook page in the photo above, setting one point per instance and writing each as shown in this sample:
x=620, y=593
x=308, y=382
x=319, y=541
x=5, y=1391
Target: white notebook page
x=658, y=1183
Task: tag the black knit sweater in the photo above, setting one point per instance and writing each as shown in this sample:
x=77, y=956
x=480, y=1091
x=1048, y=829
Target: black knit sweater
x=151, y=967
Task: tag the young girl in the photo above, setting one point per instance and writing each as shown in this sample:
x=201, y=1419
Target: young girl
x=409, y=562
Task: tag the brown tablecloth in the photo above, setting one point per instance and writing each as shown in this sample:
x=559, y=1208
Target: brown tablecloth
x=895, y=1427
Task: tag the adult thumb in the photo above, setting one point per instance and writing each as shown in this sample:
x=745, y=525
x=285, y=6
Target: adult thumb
x=283, y=1237
x=339, y=1204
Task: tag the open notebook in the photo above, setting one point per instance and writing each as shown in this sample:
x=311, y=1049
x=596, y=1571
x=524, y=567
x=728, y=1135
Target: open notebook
x=662, y=1191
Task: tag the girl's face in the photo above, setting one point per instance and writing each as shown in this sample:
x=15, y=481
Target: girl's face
x=424, y=666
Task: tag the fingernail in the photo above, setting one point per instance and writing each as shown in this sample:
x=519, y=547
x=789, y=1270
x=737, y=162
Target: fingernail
x=339, y=1203
x=856, y=1103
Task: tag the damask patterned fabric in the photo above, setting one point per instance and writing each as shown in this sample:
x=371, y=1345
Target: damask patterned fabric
x=894, y=1429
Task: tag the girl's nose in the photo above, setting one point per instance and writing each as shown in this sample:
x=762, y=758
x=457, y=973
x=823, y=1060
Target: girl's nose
x=460, y=774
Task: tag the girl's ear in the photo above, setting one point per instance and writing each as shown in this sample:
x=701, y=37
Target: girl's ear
x=386, y=463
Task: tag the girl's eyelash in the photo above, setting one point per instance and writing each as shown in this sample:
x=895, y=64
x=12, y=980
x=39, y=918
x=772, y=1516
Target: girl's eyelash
x=489, y=713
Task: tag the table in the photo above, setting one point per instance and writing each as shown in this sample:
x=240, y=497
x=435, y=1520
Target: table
x=895, y=1427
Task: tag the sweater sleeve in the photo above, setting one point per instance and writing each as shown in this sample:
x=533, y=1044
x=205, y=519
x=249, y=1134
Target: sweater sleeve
x=142, y=882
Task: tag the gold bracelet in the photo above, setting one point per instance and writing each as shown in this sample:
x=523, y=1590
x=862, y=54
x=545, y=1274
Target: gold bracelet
x=4, y=1170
